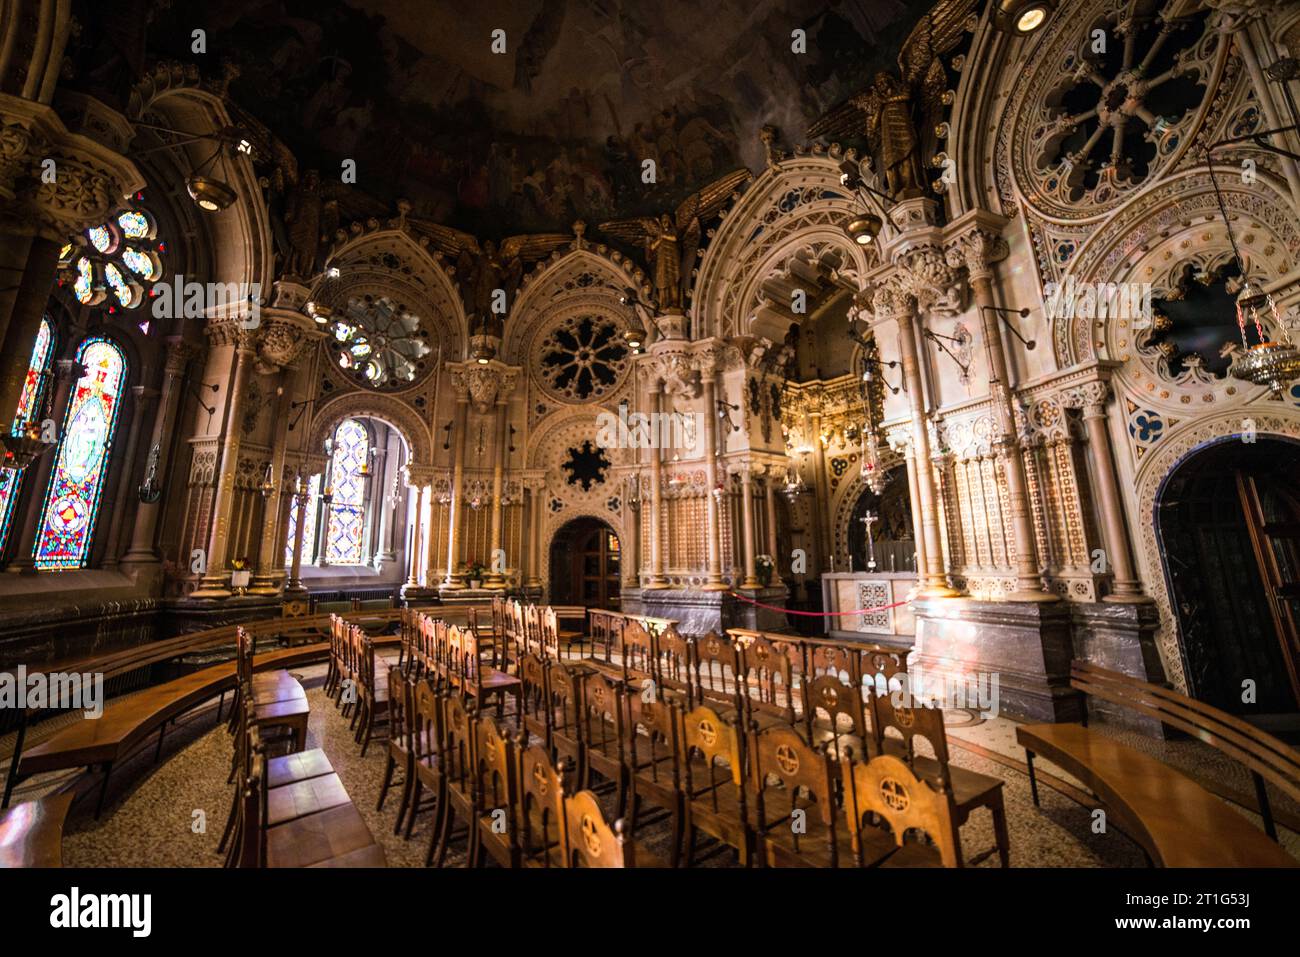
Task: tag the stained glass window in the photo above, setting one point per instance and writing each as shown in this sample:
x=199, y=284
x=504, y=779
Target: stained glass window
x=309, y=536
x=77, y=481
x=117, y=260
x=29, y=404
x=349, y=468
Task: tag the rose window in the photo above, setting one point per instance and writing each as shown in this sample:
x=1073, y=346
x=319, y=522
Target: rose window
x=116, y=261
x=1130, y=85
x=586, y=466
x=379, y=343
x=583, y=358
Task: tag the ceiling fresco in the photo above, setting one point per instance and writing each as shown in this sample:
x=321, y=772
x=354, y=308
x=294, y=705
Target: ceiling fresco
x=557, y=127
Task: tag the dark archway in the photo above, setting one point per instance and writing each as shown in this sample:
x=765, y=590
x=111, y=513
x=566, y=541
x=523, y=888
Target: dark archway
x=1228, y=522
x=892, y=531
x=585, y=570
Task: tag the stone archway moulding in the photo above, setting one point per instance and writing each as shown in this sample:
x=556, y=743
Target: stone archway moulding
x=387, y=409
x=1157, y=466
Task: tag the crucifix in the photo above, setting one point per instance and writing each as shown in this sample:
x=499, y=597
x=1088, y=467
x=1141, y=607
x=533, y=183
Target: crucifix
x=868, y=520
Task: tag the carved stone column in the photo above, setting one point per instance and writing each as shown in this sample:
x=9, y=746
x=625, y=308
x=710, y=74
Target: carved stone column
x=1091, y=398
x=747, y=526
x=497, y=579
x=934, y=583
x=215, y=580
x=454, y=580
x=417, y=535
x=538, y=510
x=979, y=249
x=713, y=582
x=630, y=557
x=141, y=398
x=769, y=503
x=293, y=585
x=657, y=577
x=67, y=373
x=269, y=564
x=821, y=497
x=900, y=440
x=142, y=550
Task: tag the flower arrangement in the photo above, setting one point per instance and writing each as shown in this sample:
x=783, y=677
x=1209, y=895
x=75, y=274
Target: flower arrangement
x=764, y=566
x=474, y=570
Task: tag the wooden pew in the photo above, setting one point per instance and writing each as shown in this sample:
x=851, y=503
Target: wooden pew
x=1175, y=820
x=31, y=834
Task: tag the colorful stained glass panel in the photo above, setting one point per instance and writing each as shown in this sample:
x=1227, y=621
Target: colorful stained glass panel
x=29, y=402
x=72, y=500
x=347, y=510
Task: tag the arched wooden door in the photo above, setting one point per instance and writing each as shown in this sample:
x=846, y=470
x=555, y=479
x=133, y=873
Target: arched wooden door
x=585, y=571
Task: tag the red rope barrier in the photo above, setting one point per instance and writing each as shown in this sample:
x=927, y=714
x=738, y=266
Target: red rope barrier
x=818, y=614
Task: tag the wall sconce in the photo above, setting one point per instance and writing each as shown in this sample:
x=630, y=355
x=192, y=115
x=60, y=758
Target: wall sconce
x=1002, y=314
x=1021, y=17
x=724, y=410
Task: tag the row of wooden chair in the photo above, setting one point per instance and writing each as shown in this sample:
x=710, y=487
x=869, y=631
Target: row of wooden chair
x=482, y=780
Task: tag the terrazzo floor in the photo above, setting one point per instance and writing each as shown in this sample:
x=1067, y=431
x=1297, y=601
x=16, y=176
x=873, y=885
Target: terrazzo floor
x=171, y=814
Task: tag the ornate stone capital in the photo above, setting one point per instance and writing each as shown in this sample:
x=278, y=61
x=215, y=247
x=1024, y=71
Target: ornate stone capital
x=1089, y=396
x=54, y=183
x=179, y=354
x=285, y=338
x=678, y=371
x=899, y=439
x=483, y=382
x=977, y=250
x=926, y=275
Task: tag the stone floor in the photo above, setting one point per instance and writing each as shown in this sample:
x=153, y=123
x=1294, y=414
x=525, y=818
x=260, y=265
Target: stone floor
x=171, y=814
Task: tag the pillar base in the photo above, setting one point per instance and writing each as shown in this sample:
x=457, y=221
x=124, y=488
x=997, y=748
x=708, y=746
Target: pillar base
x=939, y=591
x=656, y=584
x=1038, y=596
x=212, y=589
x=715, y=586
x=1138, y=599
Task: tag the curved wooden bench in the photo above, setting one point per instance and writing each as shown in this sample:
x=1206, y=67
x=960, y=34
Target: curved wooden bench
x=31, y=834
x=1175, y=820
x=126, y=723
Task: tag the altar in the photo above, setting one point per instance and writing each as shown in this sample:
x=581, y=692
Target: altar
x=850, y=591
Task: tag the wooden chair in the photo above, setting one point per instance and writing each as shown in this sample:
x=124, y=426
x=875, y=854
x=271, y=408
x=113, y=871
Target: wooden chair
x=717, y=672
x=713, y=796
x=426, y=743
x=541, y=809
x=590, y=842
x=673, y=658
x=534, y=701
x=795, y=806
x=968, y=790
x=497, y=789
x=458, y=773
x=835, y=715
x=601, y=733
x=481, y=679
x=401, y=748
x=886, y=788
x=636, y=650
x=767, y=681
x=31, y=833
x=564, y=699
x=372, y=687
x=650, y=753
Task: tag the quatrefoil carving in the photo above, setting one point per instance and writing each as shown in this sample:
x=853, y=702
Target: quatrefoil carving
x=894, y=793
x=787, y=759
x=590, y=835
x=708, y=733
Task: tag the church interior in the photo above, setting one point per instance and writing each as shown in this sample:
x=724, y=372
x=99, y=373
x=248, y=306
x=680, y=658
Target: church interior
x=586, y=433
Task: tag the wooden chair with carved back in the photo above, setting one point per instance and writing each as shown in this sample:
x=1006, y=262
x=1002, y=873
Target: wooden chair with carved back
x=564, y=712
x=372, y=684
x=885, y=803
x=767, y=679
x=534, y=702
x=591, y=842
x=426, y=746
x=601, y=714
x=401, y=748
x=482, y=679
x=911, y=722
x=795, y=801
x=650, y=753
x=636, y=651
x=673, y=660
x=716, y=672
x=711, y=772
x=458, y=774
x=541, y=824
x=496, y=787
x=835, y=715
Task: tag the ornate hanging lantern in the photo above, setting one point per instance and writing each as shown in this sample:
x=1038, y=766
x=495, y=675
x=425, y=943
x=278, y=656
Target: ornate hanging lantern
x=872, y=469
x=1275, y=364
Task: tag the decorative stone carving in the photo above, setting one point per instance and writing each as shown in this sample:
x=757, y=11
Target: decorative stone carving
x=484, y=382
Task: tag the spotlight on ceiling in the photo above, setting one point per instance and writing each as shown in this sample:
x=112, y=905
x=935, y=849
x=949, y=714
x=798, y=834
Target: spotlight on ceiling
x=1021, y=17
x=864, y=230
x=209, y=194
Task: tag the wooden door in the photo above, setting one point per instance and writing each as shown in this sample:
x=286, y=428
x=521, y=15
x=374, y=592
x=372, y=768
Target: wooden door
x=1273, y=518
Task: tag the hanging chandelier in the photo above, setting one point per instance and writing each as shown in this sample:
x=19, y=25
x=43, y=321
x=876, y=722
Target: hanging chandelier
x=1274, y=363
x=872, y=469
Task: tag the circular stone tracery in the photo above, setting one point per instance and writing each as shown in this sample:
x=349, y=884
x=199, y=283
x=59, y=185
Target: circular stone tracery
x=379, y=343
x=583, y=358
x=1121, y=90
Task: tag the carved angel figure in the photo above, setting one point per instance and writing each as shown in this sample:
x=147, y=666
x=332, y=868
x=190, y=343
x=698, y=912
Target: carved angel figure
x=303, y=217
x=892, y=111
x=481, y=270
x=671, y=241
